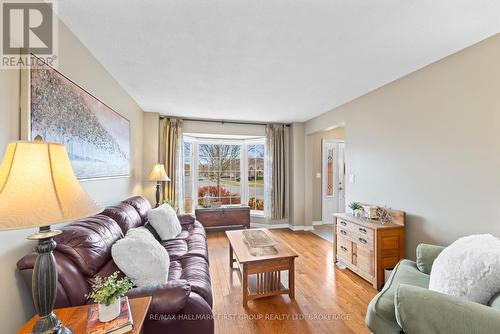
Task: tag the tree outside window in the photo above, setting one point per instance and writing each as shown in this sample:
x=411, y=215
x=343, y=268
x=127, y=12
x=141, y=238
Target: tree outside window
x=223, y=174
x=219, y=179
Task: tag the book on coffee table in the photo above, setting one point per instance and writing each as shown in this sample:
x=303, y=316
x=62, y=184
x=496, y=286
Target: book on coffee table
x=120, y=325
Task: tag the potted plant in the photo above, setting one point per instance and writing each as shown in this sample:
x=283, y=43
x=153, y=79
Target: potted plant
x=171, y=202
x=107, y=292
x=355, y=207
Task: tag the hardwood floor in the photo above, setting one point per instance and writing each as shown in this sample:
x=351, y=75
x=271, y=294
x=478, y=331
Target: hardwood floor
x=327, y=299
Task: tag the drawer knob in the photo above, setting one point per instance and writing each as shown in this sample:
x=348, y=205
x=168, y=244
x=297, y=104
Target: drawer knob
x=343, y=232
x=362, y=230
x=343, y=248
x=343, y=223
x=363, y=241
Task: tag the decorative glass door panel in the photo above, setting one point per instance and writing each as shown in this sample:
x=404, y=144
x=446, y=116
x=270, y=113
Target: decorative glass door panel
x=333, y=169
x=329, y=173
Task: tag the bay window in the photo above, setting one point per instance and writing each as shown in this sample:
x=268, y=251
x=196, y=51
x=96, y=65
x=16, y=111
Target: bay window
x=220, y=172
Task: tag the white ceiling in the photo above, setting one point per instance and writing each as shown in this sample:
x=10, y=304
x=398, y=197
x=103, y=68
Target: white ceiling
x=269, y=60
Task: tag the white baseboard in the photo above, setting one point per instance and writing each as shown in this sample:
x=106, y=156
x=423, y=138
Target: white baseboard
x=320, y=222
x=301, y=228
x=291, y=227
x=268, y=226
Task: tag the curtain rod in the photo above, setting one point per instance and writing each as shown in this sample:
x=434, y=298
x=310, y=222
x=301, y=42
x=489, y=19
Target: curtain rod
x=221, y=121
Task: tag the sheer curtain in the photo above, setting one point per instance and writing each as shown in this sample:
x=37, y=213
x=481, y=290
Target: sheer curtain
x=277, y=171
x=171, y=156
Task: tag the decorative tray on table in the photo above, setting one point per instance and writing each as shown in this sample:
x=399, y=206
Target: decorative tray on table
x=259, y=242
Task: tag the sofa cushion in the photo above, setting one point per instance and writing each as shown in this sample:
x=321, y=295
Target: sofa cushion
x=165, y=221
x=426, y=254
x=191, y=245
x=381, y=310
x=124, y=215
x=195, y=228
x=87, y=242
x=141, y=258
x=141, y=205
x=195, y=271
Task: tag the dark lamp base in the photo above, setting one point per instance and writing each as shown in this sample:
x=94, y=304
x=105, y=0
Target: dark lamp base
x=44, y=283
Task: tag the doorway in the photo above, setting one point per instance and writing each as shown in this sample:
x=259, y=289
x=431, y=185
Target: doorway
x=333, y=178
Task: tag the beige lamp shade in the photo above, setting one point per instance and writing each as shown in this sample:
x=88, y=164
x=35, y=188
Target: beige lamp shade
x=38, y=187
x=158, y=173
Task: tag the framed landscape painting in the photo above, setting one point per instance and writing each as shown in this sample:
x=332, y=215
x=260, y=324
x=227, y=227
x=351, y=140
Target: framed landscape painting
x=96, y=137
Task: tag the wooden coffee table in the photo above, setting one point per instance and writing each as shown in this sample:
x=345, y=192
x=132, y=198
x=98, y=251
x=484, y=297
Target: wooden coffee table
x=261, y=267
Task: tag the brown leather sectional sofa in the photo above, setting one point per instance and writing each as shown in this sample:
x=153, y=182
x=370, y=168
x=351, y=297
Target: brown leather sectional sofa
x=182, y=305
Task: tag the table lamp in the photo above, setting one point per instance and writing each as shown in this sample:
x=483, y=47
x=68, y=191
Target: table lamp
x=159, y=175
x=37, y=189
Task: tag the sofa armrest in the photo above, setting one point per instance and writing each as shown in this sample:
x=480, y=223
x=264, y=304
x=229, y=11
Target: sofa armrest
x=426, y=254
x=422, y=311
x=186, y=219
x=168, y=298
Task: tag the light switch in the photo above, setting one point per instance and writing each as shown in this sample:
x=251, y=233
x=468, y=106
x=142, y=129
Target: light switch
x=352, y=178
x=318, y=175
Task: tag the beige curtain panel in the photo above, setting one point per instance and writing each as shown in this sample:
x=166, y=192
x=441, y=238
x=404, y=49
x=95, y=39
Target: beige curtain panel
x=170, y=155
x=277, y=140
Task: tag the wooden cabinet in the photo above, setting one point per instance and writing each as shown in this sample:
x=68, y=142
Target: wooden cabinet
x=224, y=217
x=367, y=247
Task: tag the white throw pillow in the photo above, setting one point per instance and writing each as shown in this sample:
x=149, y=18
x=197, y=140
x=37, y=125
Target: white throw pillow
x=469, y=268
x=164, y=220
x=141, y=257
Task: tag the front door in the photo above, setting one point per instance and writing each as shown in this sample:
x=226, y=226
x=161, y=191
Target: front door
x=333, y=178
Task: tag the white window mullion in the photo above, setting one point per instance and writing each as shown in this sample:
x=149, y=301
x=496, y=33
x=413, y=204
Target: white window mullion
x=244, y=174
x=194, y=173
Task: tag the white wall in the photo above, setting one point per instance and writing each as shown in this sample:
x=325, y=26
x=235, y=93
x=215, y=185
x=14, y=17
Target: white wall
x=151, y=132
x=224, y=128
x=77, y=63
x=429, y=144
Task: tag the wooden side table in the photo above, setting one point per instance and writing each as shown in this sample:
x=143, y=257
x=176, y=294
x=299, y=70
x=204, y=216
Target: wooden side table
x=75, y=318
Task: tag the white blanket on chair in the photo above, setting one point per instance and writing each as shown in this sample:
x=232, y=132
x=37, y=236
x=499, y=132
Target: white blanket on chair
x=469, y=268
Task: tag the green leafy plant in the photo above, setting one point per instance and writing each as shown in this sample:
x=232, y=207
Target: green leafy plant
x=107, y=290
x=355, y=206
x=170, y=202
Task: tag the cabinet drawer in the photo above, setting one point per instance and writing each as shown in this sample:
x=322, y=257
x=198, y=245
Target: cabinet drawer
x=346, y=225
x=344, y=249
x=364, y=260
x=366, y=232
x=344, y=232
x=363, y=241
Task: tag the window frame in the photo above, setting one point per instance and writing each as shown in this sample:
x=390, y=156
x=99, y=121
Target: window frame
x=244, y=184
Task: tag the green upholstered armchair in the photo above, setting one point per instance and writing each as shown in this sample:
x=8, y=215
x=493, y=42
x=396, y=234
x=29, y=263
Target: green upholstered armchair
x=405, y=304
